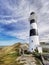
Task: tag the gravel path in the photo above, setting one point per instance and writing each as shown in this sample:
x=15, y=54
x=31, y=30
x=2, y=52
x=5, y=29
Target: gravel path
x=27, y=60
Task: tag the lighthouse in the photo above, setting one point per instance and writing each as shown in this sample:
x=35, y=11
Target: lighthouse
x=33, y=36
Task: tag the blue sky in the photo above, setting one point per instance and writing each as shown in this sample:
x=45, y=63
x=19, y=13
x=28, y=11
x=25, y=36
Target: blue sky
x=14, y=23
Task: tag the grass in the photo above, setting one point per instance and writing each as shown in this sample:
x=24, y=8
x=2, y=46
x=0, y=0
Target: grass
x=45, y=50
x=38, y=62
x=9, y=58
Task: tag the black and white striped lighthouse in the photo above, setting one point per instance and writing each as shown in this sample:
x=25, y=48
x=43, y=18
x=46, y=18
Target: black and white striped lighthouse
x=34, y=38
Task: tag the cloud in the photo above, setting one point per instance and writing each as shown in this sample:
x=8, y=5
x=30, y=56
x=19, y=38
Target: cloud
x=14, y=16
x=44, y=20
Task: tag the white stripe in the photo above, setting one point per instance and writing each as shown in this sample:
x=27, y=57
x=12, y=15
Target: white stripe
x=32, y=17
x=33, y=26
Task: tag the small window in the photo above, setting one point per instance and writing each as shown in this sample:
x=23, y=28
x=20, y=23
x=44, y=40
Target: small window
x=32, y=48
x=32, y=40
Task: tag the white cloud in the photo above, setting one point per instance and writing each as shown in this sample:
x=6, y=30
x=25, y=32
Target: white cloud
x=22, y=12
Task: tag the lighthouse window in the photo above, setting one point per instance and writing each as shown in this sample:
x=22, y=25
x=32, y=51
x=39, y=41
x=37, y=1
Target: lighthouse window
x=33, y=32
x=32, y=40
x=32, y=21
x=32, y=48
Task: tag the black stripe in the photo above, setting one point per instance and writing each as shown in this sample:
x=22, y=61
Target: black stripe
x=33, y=32
x=32, y=21
x=32, y=13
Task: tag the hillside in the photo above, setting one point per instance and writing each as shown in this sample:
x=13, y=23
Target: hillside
x=9, y=55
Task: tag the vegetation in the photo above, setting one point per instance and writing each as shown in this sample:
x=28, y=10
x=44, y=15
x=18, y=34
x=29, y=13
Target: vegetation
x=45, y=50
x=8, y=55
x=37, y=57
x=38, y=62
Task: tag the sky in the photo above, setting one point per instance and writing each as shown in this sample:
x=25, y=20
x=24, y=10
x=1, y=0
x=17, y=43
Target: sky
x=14, y=23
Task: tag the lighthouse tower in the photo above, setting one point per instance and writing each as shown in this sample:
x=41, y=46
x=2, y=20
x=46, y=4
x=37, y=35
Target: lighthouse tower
x=34, y=38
